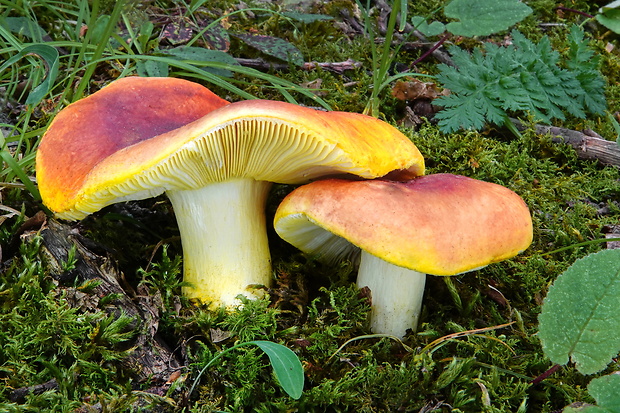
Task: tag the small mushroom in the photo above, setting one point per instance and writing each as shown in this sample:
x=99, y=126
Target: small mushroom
x=138, y=138
x=439, y=224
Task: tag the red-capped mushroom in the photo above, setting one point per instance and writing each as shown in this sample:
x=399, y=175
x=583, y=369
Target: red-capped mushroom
x=138, y=138
x=438, y=224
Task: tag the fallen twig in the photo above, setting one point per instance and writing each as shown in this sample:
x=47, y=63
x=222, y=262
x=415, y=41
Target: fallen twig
x=588, y=145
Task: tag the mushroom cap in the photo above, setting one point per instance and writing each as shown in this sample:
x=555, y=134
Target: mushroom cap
x=258, y=139
x=440, y=224
x=119, y=115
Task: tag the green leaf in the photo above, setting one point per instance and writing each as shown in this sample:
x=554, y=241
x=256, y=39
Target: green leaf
x=493, y=82
x=484, y=17
x=433, y=29
x=151, y=68
x=273, y=46
x=50, y=58
x=580, y=320
x=199, y=54
x=609, y=16
x=605, y=391
x=23, y=26
x=286, y=367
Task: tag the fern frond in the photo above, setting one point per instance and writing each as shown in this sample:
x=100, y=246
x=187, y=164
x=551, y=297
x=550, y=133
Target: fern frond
x=493, y=82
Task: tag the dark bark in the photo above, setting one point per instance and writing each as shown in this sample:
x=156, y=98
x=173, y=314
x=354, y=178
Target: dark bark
x=587, y=145
x=150, y=359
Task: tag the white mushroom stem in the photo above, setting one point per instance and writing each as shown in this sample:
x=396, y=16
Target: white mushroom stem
x=396, y=295
x=224, y=239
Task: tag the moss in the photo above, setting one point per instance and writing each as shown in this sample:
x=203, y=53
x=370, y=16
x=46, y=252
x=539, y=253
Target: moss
x=315, y=309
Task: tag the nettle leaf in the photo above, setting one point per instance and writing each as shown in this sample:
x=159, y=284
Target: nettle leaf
x=580, y=318
x=273, y=46
x=286, y=367
x=427, y=29
x=484, y=17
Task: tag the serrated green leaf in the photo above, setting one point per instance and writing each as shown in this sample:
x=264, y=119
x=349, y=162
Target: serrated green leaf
x=427, y=29
x=274, y=46
x=484, y=17
x=286, y=367
x=580, y=320
x=522, y=77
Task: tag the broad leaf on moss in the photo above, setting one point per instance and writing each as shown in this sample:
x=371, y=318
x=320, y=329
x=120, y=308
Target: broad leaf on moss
x=580, y=318
x=484, y=17
x=605, y=392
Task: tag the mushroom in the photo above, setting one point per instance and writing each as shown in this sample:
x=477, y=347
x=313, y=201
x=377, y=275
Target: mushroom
x=439, y=224
x=138, y=138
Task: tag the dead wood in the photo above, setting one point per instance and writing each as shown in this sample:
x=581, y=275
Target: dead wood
x=149, y=358
x=588, y=145
x=19, y=395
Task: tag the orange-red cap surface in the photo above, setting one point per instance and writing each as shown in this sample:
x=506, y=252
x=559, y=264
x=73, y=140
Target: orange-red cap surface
x=132, y=141
x=439, y=224
x=127, y=111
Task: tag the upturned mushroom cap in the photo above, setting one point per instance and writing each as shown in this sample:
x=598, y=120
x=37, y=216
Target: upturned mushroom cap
x=94, y=154
x=439, y=224
x=127, y=111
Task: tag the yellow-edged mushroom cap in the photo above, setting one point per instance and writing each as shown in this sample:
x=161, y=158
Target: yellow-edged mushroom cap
x=439, y=224
x=258, y=139
x=127, y=111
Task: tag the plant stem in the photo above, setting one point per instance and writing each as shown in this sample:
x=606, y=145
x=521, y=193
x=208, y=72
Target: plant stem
x=430, y=51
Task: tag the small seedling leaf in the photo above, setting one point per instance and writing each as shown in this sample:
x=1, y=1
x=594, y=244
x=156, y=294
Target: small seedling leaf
x=427, y=29
x=273, y=46
x=484, y=17
x=580, y=317
x=286, y=367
